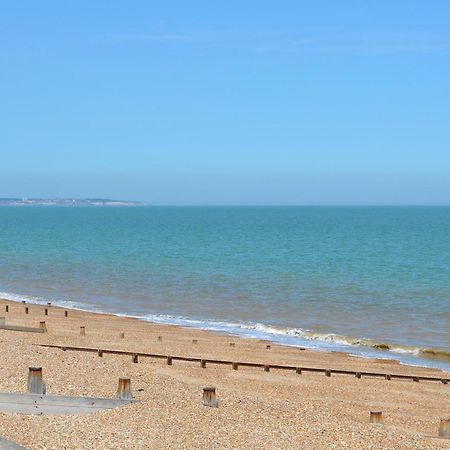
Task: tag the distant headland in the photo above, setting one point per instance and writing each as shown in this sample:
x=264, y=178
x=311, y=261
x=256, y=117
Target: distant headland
x=66, y=202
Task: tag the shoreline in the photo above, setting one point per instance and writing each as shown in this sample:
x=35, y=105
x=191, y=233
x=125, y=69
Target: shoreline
x=382, y=357
x=365, y=348
x=257, y=409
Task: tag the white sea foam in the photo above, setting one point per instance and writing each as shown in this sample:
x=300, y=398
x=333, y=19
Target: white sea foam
x=360, y=347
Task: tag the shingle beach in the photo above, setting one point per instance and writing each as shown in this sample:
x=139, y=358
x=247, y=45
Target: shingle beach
x=257, y=409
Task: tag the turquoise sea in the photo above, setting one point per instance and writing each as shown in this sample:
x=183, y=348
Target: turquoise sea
x=343, y=278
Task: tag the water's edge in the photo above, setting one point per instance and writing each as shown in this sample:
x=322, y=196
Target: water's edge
x=294, y=337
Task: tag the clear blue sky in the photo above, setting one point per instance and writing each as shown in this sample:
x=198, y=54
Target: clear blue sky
x=235, y=102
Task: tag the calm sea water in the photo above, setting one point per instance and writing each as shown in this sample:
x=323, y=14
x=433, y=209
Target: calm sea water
x=345, y=278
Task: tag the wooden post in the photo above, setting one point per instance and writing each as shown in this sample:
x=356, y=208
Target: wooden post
x=6, y=308
x=122, y=335
x=235, y=366
x=266, y=368
x=328, y=373
x=100, y=353
x=194, y=341
x=43, y=326
x=35, y=382
x=203, y=364
x=298, y=370
x=26, y=309
x=387, y=377
x=209, y=397
x=444, y=381
x=444, y=428
x=376, y=417
x=159, y=338
x=416, y=379
x=135, y=358
x=267, y=346
x=232, y=344
x=358, y=374
x=124, y=389
x=45, y=312
x=66, y=313
x=82, y=331
x=169, y=360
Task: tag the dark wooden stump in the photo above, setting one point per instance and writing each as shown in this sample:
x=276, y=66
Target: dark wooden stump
x=266, y=368
x=235, y=366
x=444, y=428
x=124, y=389
x=66, y=313
x=35, y=383
x=328, y=373
x=203, y=364
x=209, y=397
x=45, y=312
x=298, y=370
x=376, y=417
x=169, y=360
x=26, y=310
x=358, y=375
x=135, y=358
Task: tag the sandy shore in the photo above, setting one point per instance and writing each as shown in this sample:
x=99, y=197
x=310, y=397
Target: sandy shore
x=279, y=409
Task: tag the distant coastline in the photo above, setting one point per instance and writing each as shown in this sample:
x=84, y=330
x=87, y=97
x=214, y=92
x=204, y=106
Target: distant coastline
x=67, y=202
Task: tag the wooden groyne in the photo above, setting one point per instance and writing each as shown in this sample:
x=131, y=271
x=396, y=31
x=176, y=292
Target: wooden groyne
x=42, y=328
x=236, y=364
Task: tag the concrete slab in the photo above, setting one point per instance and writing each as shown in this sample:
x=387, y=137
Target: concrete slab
x=20, y=328
x=55, y=404
x=9, y=445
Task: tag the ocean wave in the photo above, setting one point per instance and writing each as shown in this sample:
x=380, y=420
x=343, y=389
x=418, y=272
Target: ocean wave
x=304, y=337
x=363, y=347
x=57, y=302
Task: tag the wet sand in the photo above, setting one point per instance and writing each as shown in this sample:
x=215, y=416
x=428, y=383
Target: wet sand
x=276, y=409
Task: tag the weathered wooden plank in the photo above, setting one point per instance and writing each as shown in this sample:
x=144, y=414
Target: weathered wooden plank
x=215, y=361
x=20, y=328
x=9, y=445
x=277, y=366
x=55, y=404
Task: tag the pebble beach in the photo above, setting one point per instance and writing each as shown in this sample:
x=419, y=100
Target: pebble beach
x=257, y=409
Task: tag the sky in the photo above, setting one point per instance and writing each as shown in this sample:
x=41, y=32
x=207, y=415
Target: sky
x=215, y=103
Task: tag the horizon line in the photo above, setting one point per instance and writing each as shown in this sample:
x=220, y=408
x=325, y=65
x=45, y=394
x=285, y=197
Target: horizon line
x=140, y=203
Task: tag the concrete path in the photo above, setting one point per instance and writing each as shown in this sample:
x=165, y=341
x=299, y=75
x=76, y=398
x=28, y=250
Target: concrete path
x=9, y=445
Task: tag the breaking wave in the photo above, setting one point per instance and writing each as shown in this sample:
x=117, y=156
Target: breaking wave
x=369, y=348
